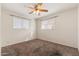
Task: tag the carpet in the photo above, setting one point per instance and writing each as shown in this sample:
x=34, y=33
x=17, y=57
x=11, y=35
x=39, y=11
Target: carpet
x=38, y=47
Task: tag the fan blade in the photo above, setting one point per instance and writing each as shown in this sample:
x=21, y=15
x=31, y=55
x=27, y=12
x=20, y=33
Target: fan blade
x=43, y=10
x=37, y=5
x=31, y=12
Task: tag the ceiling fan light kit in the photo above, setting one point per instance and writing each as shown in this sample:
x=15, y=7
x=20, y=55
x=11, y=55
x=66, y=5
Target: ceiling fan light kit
x=37, y=9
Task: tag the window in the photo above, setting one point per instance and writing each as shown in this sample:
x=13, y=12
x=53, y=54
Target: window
x=20, y=23
x=48, y=24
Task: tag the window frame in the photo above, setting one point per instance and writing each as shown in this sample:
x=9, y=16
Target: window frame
x=52, y=25
x=22, y=19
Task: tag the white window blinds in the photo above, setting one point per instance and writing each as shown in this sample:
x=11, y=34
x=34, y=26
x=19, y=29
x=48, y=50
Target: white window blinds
x=20, y=23
x=48, y=24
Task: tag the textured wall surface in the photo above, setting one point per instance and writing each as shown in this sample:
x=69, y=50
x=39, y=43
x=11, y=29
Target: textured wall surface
x=65, y=31
x=11, y=35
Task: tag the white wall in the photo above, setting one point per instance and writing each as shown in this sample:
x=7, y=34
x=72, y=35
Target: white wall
x=78, y=27
x=13, y=36
x=0, y=29
x=66, y=29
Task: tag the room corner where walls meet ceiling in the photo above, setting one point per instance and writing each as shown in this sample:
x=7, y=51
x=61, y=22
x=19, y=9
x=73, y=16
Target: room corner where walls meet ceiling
x=22, y=8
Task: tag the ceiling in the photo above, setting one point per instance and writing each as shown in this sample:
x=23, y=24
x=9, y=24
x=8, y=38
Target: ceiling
x=51, y=7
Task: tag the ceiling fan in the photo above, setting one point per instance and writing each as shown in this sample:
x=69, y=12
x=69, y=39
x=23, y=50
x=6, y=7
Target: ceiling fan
x=37, y=8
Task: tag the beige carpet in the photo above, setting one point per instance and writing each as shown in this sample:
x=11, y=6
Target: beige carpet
x=38, y=47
